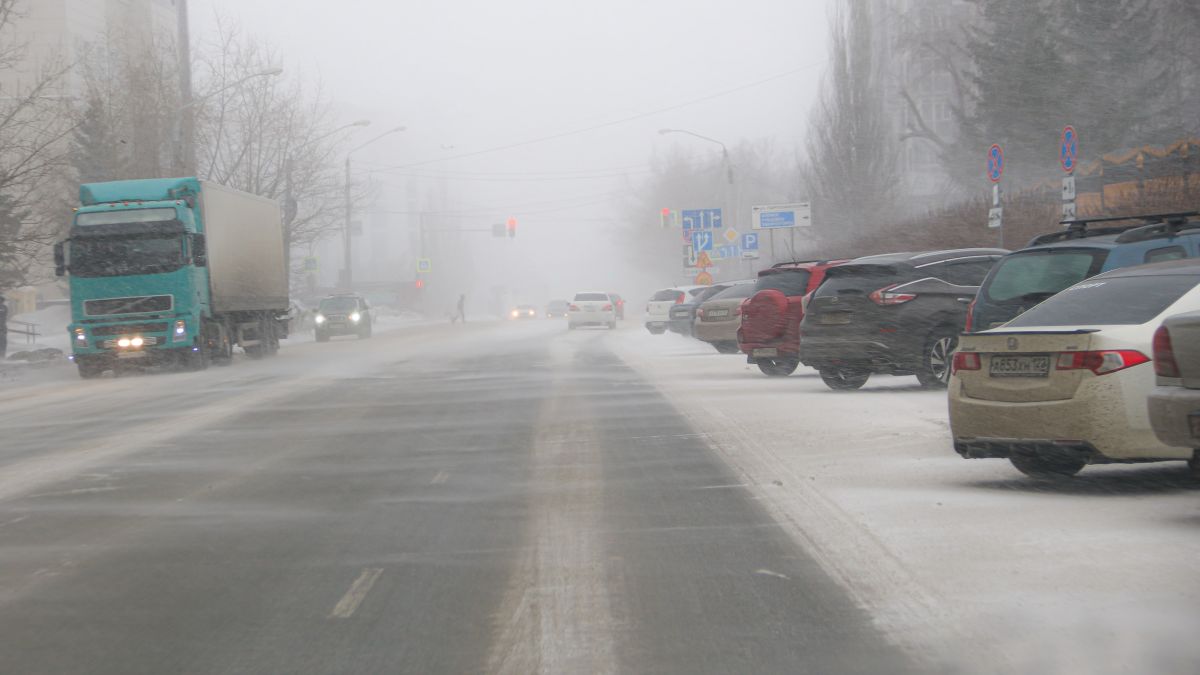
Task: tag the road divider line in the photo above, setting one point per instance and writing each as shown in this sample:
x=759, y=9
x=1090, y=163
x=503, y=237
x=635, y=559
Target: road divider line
x=440, y=478
x=354, y=597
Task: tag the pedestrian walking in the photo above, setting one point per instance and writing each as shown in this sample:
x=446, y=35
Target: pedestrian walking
x=462, y=312
x=3, y=328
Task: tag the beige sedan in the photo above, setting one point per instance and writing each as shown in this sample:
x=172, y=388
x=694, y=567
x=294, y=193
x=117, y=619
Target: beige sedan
x=719, y=317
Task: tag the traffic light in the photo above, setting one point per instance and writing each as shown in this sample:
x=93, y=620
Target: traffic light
x=511, y=226
x=666, y=218
x=419, y=284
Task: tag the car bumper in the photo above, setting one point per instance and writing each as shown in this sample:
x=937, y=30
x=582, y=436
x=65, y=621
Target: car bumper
x=716, y=331
x=1172, y=413
x=339, y=328
x=1095, y=422
x=822, y=352
x=591, y=318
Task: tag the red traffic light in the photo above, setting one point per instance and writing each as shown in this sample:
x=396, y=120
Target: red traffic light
x=419, y=284
x=511, y=226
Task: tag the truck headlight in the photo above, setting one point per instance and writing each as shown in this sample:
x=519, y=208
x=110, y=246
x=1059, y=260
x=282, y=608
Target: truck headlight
x=80, y=335
x=319, y=319
x=123, y=342
x=136, y=342
x=355, y=317
x=180, y=334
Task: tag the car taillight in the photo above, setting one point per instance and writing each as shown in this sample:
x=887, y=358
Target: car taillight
x=607, y=308
x=970, y=316
x=573, y=308
x=1164, y=354
x=1101, y=362
x=700, y=313
x=965, y=361
x=885, y=296
x=679, y=299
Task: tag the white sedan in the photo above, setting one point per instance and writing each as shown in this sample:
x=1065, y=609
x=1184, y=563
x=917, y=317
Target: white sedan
x=591, y=308
x=1065, y=384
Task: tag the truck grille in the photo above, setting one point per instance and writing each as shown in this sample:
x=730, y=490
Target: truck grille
x=112, y=343
x=125, y=329
x=137, y=305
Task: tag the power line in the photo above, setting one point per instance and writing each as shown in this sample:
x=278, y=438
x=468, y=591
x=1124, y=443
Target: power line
x=603, y=125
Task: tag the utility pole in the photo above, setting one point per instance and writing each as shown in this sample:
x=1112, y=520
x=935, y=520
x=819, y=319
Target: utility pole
x=347, y=258
x=186, y=152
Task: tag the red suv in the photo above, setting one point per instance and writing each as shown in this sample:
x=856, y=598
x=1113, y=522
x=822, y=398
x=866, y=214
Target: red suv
x=770, y=332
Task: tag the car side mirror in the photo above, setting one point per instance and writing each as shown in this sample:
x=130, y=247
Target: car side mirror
x=60, y=259
x=199, y=251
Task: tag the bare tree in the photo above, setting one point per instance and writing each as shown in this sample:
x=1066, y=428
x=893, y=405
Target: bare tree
x=852, y=149
x=270, y=136
x=33, y=126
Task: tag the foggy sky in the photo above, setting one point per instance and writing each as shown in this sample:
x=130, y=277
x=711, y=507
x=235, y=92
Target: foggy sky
x=475, y=74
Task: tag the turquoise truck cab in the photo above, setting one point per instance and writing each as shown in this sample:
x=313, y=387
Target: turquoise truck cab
x=140, y=284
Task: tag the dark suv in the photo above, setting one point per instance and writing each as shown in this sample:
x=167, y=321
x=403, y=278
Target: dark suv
x=345, y=314
x=1057, y=260
x=899, y=313
x=770, y=330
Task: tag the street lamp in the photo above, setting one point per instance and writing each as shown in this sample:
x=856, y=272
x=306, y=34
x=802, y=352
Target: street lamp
x=349, y=278
x=186, y=125
x=724, y=150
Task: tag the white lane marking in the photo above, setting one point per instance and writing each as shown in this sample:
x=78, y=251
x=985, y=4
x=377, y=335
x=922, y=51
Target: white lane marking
x=769, y=573
x=14, y=521
x=723, y=487
x=440, y=478
x=357, y=593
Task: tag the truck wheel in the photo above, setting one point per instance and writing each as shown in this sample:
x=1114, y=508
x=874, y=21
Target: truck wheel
x=934, y=372
x=196, y=359
x=778, y=367
x=89, y=370
x=1037, y=466
x=838, y=379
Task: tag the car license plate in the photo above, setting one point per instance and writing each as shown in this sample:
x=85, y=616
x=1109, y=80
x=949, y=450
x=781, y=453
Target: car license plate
x=717, y=313
x=1194, y=424
x=1026, y=365
x=835, y=318
x=771, y=351
x=131, y=355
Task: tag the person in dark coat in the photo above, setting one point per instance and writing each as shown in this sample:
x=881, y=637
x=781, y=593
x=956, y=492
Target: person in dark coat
x=3, y=328
x=462, y=312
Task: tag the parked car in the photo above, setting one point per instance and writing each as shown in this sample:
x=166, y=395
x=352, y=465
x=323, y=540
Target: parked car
x=523, y=312
x=1057, y=260
x=658, y=308
x=591, y=308
x=770, y=330
x=898, y=314
x=557, y=309
x=719, y=317
x=618, y=305
x=344, y=314
x=1174, y=404
x=683, y=315
x=1065, y=384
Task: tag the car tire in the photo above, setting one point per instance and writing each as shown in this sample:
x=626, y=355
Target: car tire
x=839, y=379
x=1036, y=466
x=727, y=347
x=654, y=330
x=1194, y=464
x=570, y=326
x=612, y=325
x=778, y=367
x=936, y=357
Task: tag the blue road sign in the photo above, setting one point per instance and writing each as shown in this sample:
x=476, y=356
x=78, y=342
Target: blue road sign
x=770, y=219
x=702, y=240
x=750, y=241
x=728, y=251
x=995, y=163
x=702, y=219
x=1068, y=148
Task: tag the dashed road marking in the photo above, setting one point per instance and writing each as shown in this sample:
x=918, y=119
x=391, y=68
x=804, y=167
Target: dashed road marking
x=440, y=478
x=357, y=593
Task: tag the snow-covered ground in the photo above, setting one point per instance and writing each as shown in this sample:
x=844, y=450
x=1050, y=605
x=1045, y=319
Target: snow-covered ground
x=968, y=563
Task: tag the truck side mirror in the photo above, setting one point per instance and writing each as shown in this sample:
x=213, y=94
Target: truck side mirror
x=60, y=260
x=199, y=251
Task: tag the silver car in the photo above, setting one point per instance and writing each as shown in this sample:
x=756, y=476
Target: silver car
x=1175, y=400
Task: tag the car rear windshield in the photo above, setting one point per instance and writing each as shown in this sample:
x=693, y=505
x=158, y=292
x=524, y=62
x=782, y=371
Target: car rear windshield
x=857, y=279
x=591, y=296
x=1023, y=278
x=669, y=294
x=1105, y=302
x=789, y=283
x=735, y=292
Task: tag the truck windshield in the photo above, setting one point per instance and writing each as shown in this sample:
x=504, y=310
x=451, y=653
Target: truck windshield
x=120, y=256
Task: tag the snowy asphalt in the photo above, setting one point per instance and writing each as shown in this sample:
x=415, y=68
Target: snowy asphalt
x=494, y=498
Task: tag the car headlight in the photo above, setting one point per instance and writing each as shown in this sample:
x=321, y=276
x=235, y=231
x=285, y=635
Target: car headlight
x=355, y=317
x=320, y=319
x=514, y=313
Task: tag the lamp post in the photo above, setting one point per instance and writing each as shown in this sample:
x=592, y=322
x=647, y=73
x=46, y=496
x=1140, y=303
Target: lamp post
x=185, y=127
x=724, y=150
x=348, y=279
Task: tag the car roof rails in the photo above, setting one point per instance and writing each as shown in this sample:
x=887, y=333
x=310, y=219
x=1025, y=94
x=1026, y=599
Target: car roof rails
x=790, y=263
x=1080, y=228
x=1166, y=225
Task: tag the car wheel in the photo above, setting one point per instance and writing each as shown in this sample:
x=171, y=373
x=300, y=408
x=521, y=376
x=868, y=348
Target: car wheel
x=934, y=372
x=1038, y=466
x=839, y=379
x=1194, y=464
x=780, y=367
x=612, y=325
x=727, y=347
x=656, y=330
x=570, y=326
